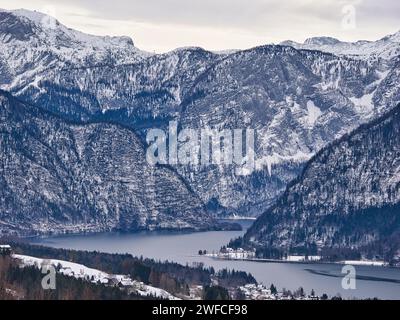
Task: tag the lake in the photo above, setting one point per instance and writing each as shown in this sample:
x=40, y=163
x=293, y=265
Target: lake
x=378, y=282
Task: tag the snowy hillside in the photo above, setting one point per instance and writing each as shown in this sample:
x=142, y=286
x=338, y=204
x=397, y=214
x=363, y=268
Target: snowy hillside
x=80, y=271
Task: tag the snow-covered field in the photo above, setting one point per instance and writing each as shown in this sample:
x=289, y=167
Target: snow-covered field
x=80, y=271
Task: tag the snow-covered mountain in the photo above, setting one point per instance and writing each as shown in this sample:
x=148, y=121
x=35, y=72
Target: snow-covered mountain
x=58, y=176
x=385, y=48
x=348, y=196
x=32, y=42
x=297, y=100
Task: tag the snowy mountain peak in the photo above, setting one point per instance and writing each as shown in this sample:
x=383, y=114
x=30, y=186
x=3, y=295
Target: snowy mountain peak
x=47, y=28
x=27, y=36
x=394, y=37
x=386, y=48
x=321, y=41
x=34, y=16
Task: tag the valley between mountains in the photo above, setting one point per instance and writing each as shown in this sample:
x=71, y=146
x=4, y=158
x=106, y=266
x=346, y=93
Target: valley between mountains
x=75, y=110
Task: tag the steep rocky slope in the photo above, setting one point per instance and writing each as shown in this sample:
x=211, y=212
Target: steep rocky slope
x=58, y=176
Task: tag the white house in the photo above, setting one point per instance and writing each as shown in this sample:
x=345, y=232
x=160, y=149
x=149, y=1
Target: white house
x=5, y=249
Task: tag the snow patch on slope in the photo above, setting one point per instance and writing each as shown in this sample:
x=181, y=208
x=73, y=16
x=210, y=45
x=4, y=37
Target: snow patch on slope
x=364, y=104
x=313, y=112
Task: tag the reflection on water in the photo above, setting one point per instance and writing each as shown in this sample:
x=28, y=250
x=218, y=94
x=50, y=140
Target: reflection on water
x=183, y=247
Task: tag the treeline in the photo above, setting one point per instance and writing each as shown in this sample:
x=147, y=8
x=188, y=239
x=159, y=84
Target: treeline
x=215, y=293
x=18, y=283
x=231, y=278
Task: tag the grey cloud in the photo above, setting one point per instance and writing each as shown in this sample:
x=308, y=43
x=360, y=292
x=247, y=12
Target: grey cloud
x=254, y=15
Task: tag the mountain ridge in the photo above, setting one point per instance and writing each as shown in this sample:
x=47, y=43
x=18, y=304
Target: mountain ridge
x=386, y=48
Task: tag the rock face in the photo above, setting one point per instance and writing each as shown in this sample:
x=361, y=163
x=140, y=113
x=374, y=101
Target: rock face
x=348, y=195
x=297, y=100
x=58, y=176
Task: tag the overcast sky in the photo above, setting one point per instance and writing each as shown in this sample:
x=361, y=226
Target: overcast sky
x=163, y=25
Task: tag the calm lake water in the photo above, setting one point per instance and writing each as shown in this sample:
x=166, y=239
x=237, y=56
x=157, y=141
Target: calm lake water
x=378, y=282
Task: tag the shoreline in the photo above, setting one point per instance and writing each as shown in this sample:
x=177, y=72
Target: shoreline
x=352, y=262
x=171, y=231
